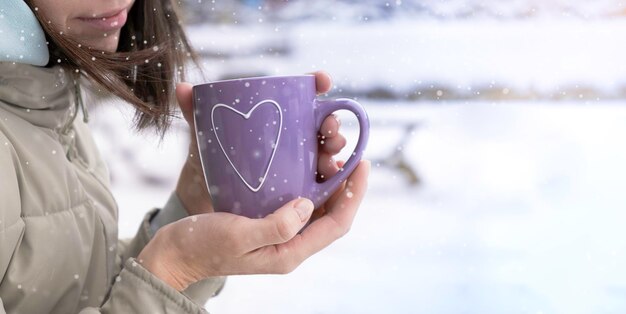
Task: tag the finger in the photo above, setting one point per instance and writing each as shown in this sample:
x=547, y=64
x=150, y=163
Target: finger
x=340, y=215
x=330, y=203
x=330, y=126
x=318, y=212
x=284, y=257
x=333, y=145
x=323, y=82
x=280, y=226
x=185, y=101
x=326, y=166
x=321, y=211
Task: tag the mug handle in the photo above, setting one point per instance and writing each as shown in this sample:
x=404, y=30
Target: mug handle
x=323, y=109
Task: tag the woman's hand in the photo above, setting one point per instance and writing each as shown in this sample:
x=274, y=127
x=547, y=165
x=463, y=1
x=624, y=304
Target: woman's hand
x=191, y=188
x=222, y=244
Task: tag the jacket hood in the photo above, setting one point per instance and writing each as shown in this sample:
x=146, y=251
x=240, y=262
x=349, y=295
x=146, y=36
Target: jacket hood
x=21, y=37
x=45, y=97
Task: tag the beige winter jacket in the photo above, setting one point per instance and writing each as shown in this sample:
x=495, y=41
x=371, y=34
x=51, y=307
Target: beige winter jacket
x=59, y=251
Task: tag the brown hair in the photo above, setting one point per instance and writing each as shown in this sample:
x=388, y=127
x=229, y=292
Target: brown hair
x=149, y=60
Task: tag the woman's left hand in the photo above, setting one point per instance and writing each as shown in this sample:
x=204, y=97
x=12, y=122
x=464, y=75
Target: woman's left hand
x=191, y=188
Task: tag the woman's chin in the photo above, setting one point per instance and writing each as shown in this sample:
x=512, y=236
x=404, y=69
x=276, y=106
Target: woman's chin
x=108, y=43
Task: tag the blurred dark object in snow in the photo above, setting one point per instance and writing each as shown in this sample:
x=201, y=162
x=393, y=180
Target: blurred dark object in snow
x=255, y=11
x=398, y=160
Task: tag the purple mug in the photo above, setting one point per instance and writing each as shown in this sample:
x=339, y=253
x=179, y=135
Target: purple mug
x=257, y=139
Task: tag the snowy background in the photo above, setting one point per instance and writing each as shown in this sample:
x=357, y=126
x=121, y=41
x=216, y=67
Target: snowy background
x=497, y=142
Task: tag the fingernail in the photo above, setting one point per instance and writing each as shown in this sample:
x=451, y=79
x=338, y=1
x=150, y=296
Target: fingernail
x=304, y=207
x=337, y=119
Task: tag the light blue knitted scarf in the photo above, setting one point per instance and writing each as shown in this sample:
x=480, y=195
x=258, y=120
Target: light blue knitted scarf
x=22, y=39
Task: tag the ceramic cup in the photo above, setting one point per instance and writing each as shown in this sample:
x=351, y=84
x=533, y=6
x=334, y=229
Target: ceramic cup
x=258, y=142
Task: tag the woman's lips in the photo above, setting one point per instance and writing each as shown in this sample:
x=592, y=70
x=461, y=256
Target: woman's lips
x=108, y=22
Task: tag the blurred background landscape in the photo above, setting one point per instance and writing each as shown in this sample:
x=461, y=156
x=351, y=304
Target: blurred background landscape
x=497, y=144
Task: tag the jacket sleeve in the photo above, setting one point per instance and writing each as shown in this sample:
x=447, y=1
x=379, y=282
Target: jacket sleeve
x=135, y=288
x=11, y=224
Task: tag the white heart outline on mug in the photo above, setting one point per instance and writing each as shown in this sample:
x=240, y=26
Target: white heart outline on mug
x=247, y=116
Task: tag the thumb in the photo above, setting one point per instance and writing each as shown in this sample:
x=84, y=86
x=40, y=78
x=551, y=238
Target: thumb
x=283, y=224
x=185, y=101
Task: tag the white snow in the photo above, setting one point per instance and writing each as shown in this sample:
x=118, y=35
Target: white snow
x=521, y=210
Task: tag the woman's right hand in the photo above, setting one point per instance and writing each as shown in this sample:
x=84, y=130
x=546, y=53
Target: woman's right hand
x=222, y=244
